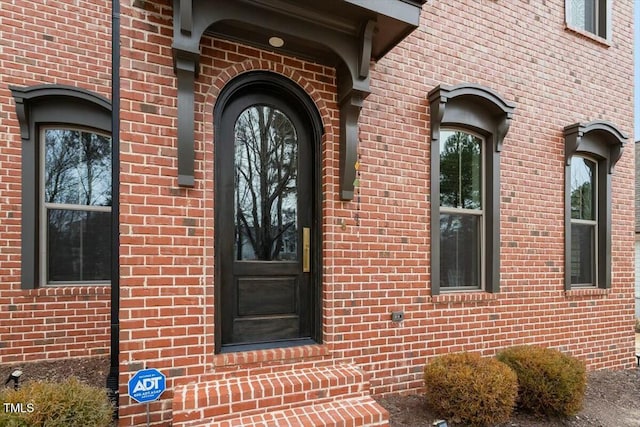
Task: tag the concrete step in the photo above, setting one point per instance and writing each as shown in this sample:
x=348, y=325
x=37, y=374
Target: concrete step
x=270, y=398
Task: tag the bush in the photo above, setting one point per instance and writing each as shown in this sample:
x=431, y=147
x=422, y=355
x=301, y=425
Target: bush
x=466, y=388
x=549, y=382
x=66, y=404
x=637, y=327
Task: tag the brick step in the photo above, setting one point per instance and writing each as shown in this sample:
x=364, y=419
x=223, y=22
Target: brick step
x=357, y=411
x=209, y=403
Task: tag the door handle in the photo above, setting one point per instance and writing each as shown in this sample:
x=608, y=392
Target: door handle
x=306, y=250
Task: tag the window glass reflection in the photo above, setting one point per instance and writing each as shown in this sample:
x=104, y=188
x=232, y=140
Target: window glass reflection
x=460, y=250
x=266, y=200
x=582, y=254
x=77, y=168
x=460, y=170
x=582, y=188
x=79, y=245
x=76, y=206
x=581, y=14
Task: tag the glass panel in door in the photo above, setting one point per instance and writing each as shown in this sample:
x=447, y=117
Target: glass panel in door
x=265, y=182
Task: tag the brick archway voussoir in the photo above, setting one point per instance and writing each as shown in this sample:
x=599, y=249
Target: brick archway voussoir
x=226, y=75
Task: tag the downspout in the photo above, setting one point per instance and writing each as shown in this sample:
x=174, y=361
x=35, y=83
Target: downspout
x=112, y=379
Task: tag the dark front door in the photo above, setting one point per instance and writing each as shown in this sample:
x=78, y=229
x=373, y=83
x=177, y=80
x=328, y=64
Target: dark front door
x=265, y=223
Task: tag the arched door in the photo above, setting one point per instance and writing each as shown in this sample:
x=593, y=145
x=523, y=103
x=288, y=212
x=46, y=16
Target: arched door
x=265, y=234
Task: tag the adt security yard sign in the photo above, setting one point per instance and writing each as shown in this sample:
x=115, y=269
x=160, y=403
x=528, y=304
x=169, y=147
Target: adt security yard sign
x=147, y=385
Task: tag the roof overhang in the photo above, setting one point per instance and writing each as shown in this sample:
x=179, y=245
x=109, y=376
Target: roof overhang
x=345, y=34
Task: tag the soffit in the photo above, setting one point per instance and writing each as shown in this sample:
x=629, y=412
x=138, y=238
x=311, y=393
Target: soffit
x=394, y=20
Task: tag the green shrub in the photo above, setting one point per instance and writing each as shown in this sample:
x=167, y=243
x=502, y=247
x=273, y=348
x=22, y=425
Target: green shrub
x=468, y=389
x=637, y=327
x=549, y=381
x=66, y=404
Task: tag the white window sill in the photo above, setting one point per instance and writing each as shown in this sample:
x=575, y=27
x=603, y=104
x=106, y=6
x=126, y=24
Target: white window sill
x=588, y=35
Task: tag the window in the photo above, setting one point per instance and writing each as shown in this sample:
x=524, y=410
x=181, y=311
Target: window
x=75, y=216
x=592, y=16
x=468, y=126
x=461, y=210
x=591, y=152
x=66, y=186
x=584, y=221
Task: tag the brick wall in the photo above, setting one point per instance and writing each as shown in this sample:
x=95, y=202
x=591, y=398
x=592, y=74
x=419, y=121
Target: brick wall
x=523, y=51
x=372, y=266
x=46, y=42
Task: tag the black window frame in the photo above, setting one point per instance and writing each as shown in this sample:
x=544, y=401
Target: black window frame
x=481, y=111
x=38, y=107
x=603, y=143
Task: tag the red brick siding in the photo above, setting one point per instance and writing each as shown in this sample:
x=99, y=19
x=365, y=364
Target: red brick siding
x=554, y=76
x=62, y=42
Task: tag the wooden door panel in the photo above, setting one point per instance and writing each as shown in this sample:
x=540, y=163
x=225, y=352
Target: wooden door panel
x=266, y=268
x=265, y=328
x=267, y=296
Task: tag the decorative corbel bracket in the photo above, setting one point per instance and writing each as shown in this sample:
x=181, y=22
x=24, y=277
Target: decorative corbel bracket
x=350, y=108
x=23, y=117
x=438, y=104
x=364, y=56
x=186, y=68
x=352, y=91
x=599, y=137
x=501, y=131
x=186, y=17
x=572, y=138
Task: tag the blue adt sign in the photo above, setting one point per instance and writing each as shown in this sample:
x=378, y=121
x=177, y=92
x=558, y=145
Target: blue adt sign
x=147, y=385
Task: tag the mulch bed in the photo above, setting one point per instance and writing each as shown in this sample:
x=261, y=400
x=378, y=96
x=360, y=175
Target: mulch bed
x=90, y=370
x=612, y=399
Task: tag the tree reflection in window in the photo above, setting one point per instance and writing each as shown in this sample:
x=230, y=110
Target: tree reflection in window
x=266, y=168
x=584, y=221
x=77, y=205
x=460, y=164
x=77, y=168
x=461, y=215
x=582, y=188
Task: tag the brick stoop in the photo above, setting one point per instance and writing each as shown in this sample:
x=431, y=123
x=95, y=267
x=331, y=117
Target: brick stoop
x=361, y=412
x=328, y=396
